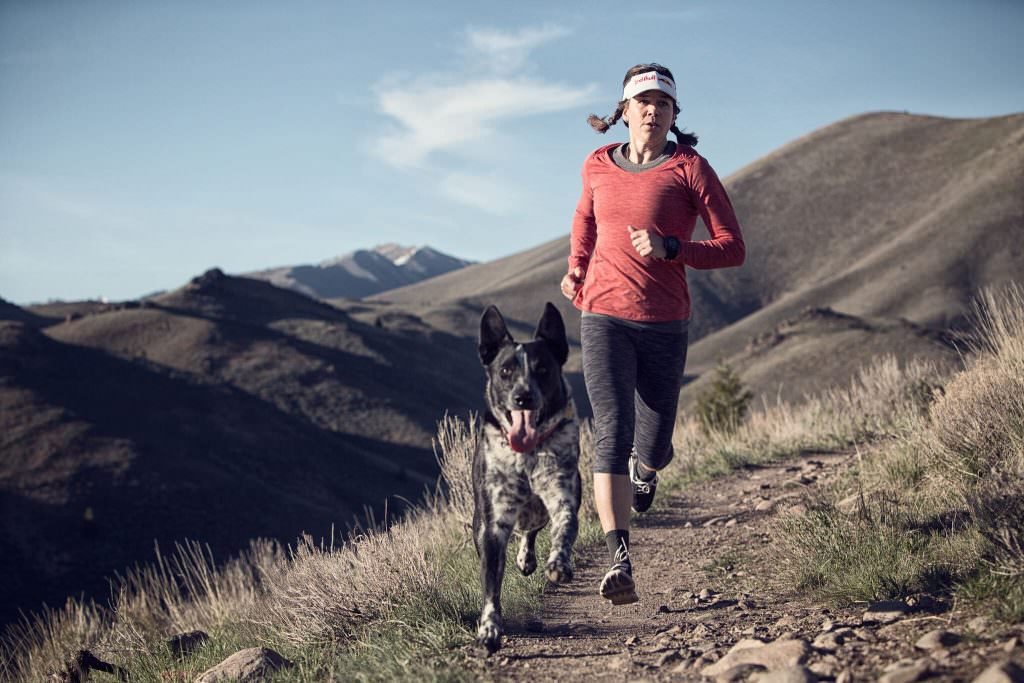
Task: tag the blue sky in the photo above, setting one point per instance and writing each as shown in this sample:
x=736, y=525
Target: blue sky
x=144, y=142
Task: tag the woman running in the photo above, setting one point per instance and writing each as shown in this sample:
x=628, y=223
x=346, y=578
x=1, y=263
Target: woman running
x=631, y=245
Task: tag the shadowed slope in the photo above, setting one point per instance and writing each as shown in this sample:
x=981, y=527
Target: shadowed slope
x=103, y=455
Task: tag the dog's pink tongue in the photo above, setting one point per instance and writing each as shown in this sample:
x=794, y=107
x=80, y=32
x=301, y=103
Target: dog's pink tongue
x=523, y=435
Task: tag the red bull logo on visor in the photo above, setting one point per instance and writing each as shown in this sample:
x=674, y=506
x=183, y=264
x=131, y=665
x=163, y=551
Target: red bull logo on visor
x=650, y=80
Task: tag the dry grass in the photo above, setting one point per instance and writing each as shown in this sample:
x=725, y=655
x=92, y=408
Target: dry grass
x=174, y=594
x=978, y=425
x=42, y=642
x=454, y=447
x=999, y=320
x=187, y=590
x=941, y=505
x=978, y=430
x=588, y=511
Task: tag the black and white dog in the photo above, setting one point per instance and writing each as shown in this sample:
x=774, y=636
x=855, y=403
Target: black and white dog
x=526, y=466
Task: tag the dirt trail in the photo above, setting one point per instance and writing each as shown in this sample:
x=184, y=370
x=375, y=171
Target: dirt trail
x=707, y=573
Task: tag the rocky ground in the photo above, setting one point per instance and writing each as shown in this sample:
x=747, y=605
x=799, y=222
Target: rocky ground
x=714, y=606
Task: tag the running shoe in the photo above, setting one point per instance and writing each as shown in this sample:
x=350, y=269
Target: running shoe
x=618, y=585
x=643, y=489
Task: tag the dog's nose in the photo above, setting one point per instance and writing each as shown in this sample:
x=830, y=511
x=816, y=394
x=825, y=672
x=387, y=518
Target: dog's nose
x=523, y=399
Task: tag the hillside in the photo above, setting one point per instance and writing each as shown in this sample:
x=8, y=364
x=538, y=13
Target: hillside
x=884, y=215
x=362, y=272
x=225, y=410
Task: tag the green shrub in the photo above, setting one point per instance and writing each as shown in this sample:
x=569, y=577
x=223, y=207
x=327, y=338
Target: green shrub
x=723, y=405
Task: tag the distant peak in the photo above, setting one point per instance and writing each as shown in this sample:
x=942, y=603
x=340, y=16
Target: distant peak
x=397, y=253
x=207, y=280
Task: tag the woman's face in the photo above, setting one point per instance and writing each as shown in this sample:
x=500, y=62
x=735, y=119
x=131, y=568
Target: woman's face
x=650, y=115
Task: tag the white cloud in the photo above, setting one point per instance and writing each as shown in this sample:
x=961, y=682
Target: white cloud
x=436, y=117
x=506, y=52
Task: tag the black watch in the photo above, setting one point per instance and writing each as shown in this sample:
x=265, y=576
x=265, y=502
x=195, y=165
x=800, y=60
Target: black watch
x=671, y=245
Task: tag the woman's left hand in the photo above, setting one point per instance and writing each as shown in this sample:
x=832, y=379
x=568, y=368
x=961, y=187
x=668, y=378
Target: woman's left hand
x=647, y=242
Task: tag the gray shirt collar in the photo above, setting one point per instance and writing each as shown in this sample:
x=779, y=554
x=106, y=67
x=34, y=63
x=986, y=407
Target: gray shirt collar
x=621, y=160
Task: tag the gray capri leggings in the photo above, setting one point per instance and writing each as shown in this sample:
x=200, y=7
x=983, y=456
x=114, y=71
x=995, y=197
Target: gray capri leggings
x=633, y=375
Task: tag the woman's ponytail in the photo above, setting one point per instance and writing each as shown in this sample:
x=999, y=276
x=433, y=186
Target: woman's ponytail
x=684, y=138
x=602, y=125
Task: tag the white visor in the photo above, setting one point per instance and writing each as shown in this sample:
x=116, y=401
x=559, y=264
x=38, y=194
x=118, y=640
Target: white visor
x=650, y=80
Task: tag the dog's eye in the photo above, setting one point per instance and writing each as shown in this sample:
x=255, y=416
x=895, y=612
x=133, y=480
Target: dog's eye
x=506, y=372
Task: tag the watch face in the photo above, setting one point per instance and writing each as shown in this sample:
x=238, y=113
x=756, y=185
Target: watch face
x=671, y=248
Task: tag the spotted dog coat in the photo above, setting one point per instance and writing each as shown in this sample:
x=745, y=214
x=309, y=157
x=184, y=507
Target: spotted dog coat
x=525, y=469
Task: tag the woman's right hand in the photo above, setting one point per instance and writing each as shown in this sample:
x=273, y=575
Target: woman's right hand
x=572, y=282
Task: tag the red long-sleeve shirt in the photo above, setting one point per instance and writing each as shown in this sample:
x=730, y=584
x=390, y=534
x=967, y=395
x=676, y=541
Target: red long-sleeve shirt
x=667, y=198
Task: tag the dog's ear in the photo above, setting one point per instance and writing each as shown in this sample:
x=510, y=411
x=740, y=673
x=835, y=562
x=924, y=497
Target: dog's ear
x=493, y=335
x=551, y=329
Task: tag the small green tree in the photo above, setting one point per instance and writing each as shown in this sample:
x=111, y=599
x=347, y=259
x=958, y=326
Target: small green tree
x=722, y=406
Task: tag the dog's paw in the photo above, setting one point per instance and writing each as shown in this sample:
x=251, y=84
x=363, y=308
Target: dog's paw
x=527, y=562
x=558, y=572
x=488, y=636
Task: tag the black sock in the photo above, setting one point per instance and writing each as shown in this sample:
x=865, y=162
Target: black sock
x=616, y=540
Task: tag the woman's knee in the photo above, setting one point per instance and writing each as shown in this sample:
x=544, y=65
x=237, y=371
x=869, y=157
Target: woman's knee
x=659, y=459
x=654, y=435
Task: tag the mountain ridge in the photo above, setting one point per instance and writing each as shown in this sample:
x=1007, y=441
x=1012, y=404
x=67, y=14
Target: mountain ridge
x=362, y=272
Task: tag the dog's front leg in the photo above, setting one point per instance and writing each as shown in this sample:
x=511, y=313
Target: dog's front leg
x=493, y=544
x=560, y=492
